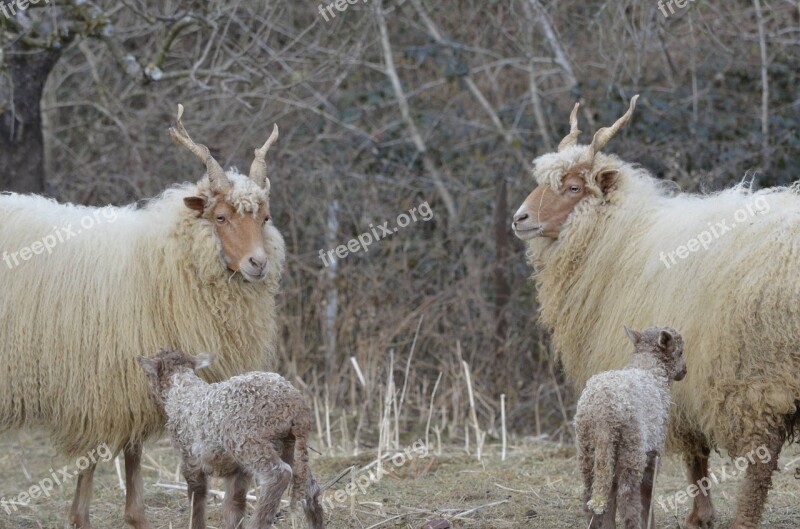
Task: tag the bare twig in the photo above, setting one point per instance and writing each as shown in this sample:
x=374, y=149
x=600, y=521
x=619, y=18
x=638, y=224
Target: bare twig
x=762, y=43
x=560, y=56
x=507, y=136
x=416, y=137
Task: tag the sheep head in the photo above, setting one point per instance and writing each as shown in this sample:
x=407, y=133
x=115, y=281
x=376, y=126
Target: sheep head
x=164, y=364
x=237, y=206
x=664, y=344
x=567, y=177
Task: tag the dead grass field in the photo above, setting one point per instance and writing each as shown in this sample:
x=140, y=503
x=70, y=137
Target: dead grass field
x=536, y=487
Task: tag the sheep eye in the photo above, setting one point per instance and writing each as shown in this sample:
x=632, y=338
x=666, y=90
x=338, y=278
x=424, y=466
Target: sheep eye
x=574, y=188
x=221, y=219
x=267, y=219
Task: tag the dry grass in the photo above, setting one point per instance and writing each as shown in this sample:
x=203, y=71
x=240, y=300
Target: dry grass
x=537, y=486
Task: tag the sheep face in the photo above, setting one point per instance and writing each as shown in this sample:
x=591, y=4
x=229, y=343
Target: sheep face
x=161, y=367
x=663, y=343
x=236, y=205
x=545, y=211
x=241, y=230
x=565, y=178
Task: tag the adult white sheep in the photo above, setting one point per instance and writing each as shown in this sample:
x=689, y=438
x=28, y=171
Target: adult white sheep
x=609, y=244
x=197, y=268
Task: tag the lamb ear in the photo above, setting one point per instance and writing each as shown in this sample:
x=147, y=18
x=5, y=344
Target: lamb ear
x=664, y=339
x=203, y=360
x=606, y=179
x=149, y=366
x=633, y=335
x=195, y=203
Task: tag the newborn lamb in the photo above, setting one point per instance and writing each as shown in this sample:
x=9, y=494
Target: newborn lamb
x=251, y=426
x=621, y=426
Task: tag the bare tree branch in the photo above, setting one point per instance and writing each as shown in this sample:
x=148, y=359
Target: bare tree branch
x=762, y=43
x=416, y=137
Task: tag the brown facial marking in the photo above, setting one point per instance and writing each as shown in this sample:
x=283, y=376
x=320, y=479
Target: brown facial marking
x=545, y=211
x=242, y=239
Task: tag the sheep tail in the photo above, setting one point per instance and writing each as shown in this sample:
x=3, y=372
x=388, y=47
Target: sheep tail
x=604, y=465
x=300, y=471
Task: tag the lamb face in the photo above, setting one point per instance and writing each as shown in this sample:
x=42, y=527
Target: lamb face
x=665, y=345
x=166, y=363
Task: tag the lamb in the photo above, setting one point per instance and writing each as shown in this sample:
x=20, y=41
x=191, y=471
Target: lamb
x=197, y=268
x=596, y=229
x=621, y=428
x=253, y=425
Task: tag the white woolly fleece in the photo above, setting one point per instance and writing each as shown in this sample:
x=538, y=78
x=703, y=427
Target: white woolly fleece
x=73, y=322
x=737, y=303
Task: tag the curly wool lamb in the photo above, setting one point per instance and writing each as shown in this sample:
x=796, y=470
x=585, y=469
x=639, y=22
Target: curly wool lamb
x=621, y=428
x=197, y=268
x=254, y=425
x=607, y=241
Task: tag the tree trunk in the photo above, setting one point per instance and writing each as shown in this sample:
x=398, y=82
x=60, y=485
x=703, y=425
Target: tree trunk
x=21, y=140
x=502, y=289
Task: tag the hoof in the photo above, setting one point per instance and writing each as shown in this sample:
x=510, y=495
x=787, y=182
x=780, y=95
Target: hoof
x=137, y=522
x=696, y=520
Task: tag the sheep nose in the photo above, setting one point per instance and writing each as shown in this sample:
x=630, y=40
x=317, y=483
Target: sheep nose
x=257, y=264
x=519, y=217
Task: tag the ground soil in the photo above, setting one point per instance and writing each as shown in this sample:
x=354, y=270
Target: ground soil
x=537, y=486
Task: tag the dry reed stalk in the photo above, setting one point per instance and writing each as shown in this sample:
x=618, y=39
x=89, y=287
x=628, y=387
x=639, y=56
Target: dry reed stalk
x=503, y=425
x=430, y=411
x=328, y=421
x=479, y=435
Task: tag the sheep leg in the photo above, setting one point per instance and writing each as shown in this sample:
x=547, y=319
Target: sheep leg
x=702, y=513
x=134, y=488
x=609, y=518
x=648, y=484
x=79, y=512
x=630, y=490
x=311, y=489
x=274, y=481
x=235, y=503
x=757, y=482
x=312, y=506
x=196, y=489
x=287, y=455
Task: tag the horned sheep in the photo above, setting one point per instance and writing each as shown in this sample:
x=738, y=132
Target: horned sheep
x=197, y=268
x=603, y=235
x=621, y=428
x=254, y=425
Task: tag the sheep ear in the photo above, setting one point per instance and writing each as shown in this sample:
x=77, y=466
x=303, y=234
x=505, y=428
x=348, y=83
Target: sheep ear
x=195, y=203
x=664, y=339
x=203, y=360
x=633, y=335
x=149, y=366
x=606, y=179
